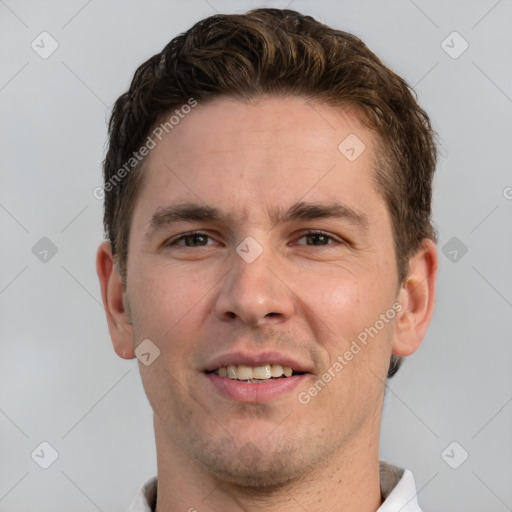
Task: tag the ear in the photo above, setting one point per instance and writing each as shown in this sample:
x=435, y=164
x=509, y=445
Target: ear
x=417, y=297
x=112, y=293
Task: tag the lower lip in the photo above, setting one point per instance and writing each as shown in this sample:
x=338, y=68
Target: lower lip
x=254, y=393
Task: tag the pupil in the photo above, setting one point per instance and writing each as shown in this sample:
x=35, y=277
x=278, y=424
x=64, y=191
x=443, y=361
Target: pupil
x=195, y=238
x=319, y=237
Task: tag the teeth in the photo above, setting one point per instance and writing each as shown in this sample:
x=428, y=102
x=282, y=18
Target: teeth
x=276, y=370
x=261, y=372
x=257, y=373
x=244, y=372
x=231, y=371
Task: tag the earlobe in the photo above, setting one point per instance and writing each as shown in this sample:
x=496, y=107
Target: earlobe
x=114, y=302
x=417, y=297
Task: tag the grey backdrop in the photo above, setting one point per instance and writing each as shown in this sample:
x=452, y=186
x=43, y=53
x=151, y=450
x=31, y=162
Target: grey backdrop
x=61, y=382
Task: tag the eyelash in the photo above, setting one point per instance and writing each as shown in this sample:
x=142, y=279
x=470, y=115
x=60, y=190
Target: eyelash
x=174, y=242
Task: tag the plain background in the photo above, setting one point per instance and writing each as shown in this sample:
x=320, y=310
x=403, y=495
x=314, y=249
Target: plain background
x=60, y=379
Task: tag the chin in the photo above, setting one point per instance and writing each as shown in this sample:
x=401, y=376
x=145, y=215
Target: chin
x=252, y=468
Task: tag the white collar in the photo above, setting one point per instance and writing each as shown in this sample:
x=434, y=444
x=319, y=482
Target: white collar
x=398, y=489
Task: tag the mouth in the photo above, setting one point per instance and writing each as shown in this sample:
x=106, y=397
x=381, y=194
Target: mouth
x=252, y=377
x=255, y=374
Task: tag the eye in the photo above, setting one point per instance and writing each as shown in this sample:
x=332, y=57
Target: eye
x=200, y=239
x=195, y=239
x=318, y=238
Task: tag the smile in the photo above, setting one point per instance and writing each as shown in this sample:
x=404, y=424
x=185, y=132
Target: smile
x=255, y=374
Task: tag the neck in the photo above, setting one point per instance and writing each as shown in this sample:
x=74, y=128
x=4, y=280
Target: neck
x=349, y=481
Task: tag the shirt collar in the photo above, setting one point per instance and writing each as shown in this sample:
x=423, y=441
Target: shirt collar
x=398, y=489
x=396, y=485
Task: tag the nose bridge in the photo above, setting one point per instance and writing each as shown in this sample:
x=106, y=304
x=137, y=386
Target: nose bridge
x=252, y=291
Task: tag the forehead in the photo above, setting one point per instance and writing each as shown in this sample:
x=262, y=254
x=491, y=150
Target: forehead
x=272, y=124
x=271, y=151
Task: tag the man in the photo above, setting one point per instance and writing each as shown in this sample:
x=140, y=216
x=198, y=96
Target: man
x=270, y=258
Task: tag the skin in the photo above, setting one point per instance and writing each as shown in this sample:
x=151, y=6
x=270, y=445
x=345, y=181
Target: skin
x=305, y=296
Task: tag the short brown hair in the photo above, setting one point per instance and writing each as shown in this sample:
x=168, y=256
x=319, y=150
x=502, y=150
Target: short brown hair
x=278, y=52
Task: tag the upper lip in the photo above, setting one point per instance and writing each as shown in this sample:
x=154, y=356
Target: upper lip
x=256, y=359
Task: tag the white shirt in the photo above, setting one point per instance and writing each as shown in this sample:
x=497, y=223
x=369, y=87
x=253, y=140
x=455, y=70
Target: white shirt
x=396, y=485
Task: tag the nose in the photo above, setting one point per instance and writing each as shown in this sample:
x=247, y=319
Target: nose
x=255, y=293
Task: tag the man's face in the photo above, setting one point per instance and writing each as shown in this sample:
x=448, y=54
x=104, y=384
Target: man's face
x=280, y=297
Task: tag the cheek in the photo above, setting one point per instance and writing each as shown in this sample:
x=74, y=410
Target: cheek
x=164, y=305
x=351, y=305
x=163, y=297
x=359, y=346
x=348, y=300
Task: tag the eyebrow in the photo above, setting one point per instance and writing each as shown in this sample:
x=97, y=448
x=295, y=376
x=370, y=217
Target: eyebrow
x=190, y=212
